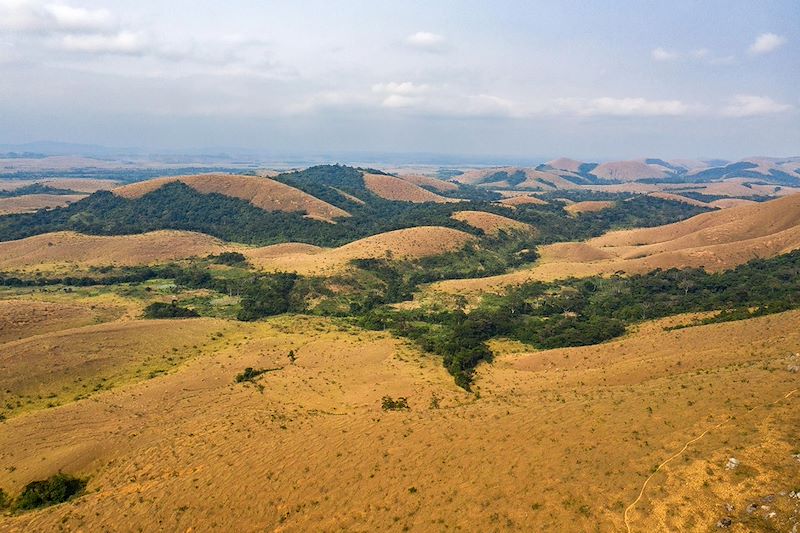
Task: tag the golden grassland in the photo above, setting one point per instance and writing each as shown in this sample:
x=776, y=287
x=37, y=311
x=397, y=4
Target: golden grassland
x=67, y=249
x=264, y=193
x=589, y=206
x=560, y=439
x=29, y=203
x=521, y=199
x=427, y=181
x=682, y=199
x=715, y=241
x=403, y=190
x=70, y=252
x=628, y=170
x=416, y=242
x=490, y=223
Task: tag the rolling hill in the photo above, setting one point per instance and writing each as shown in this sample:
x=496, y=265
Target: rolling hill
x=410, y=243
x=69, y=249
x=490, y=223
x=33, y=202
x=714, y=241
x=327, y=205
x=315, y=435
x=264, y=193
x=401, y=190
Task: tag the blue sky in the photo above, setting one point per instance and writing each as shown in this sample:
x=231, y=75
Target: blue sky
x=595, y=80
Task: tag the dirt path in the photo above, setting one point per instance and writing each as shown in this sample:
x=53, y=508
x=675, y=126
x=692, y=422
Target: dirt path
x=685, y=447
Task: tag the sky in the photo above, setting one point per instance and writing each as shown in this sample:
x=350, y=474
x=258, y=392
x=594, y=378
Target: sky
x=591, y=80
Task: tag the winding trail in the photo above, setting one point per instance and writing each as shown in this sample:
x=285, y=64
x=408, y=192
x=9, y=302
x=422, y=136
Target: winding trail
x=685, y=446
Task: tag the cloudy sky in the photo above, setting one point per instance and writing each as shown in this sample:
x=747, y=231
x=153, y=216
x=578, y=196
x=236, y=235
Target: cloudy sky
x=602, y=79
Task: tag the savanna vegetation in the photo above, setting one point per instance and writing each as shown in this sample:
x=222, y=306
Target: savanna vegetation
x=178, y=206
x=588, y=311
x=545, y=315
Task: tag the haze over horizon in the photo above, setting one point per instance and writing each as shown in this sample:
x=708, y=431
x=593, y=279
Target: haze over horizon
x=716, y=79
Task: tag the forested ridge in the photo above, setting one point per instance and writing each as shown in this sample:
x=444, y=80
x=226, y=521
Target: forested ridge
x=180, y=207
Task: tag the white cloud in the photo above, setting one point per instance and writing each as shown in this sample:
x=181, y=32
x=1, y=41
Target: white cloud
x=702, y=55
x=124, y=42
x=745, y=105
x=621, y=107
x=403, y=94
x=405, y=87
x=79, y=19
x=36, y=16
x=661, y=54
x=767, y=42
x=398, y=100
x=426, y=40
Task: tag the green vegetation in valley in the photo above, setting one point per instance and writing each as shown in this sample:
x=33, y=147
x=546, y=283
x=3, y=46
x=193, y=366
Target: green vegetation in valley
x=579, y=312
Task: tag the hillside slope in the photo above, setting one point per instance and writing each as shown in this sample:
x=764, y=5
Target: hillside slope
x=264, y=193
x=315, y=444
x=401, y=190
x=413, y=243
x=490, y=223
x=715, y=241
x=70, y=249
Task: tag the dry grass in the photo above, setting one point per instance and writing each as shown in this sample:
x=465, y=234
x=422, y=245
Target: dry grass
x=24, y=317
x=538, y=180
x=679, y=198
x=564, y=163
x=54, y=368
x=33, y=202
x=589, y=206
x=522, y=199
x=725, y=203
x=490, y=223
x=557, y=437
x=401, y=190
x=628, y=170
x=264, y=193
x=422, y=241
x=715, y=241
x=70, y=249
x=87, y=185
x=427, y=181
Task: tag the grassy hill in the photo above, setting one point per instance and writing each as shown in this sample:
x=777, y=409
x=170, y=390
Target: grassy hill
x=301, y=206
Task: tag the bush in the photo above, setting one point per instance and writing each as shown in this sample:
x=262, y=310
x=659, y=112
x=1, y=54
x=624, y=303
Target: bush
x=4, y=501
x=56, y=489
x=249, y=374
x=229, y=258
x=390, y=404
x=171, y=310
x=267, y=296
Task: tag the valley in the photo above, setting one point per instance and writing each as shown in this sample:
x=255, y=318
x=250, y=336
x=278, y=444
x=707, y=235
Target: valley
x=346, y=348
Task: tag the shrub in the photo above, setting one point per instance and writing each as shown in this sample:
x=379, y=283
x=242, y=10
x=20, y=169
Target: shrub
x=229, y=258
x=390, y=404
x=55, y=489
x=170, y=310
x=249, y=374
